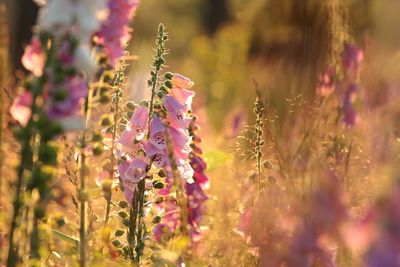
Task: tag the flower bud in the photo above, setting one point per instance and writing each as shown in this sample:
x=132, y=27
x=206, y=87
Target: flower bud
x=116, y=243
x=159, y=199
x=123, y=204
x=159, y=184
x=123, y=214
x=97, y=149
x=97, y=137
x=104, y=99
x=156, y=219
x=126, y=222
x=131, y=105
x=168, y=75
x=168, y=84
x=144, y=104
x=119, y=232
x=161, y=173
x=267, y=164
x=105, y=121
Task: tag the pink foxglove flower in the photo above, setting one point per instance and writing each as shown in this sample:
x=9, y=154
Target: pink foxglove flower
x=326, y=84
x=21, y=108
x=131, y=173
x=181, y=81
x=138, y=123
x=176, y=112
x=115, y=31
x=34, y=57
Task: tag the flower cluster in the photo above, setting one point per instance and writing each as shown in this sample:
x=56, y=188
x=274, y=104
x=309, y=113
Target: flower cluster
x=195, y=191
x=381, y=226
x=133, y=167
x=348, y=87
x=115, y=32
x=141, y=143
x=351, y=61
x=60, y=55
x=286, y=234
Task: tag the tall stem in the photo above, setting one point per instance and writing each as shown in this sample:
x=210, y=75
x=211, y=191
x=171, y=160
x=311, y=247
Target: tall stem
x=25, y=162
x=83, y=194
x=118, y=80
x=3, y=77
x=83, y=204
x=12, y=253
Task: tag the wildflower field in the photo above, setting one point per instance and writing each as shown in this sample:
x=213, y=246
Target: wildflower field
x=200, y=133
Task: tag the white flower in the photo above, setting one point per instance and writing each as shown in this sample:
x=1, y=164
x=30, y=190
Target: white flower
x=59, y=16
x=186, y=171
x=84, y=61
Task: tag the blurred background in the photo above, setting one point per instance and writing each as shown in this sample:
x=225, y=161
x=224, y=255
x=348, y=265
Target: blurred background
x=224, y=44
x=229, y=47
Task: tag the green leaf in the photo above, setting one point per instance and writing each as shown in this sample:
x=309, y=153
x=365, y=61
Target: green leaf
x=216, y=159
x=69, y=239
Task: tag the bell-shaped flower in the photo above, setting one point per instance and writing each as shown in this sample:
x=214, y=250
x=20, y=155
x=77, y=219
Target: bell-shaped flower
x=138, y=123
x=157, y=133
x=185, y=170
x=183, y=96
x=181, y=81
x=131, y=173
x=176, y=112
x=21, y=108
x=34, y=57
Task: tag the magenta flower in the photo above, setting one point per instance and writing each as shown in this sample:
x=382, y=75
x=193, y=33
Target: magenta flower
x=64, y=54
x=115, y=31
x=21, y=108
x=199, y=166
x=196, y=198
x=159, y=231
x=34, y=57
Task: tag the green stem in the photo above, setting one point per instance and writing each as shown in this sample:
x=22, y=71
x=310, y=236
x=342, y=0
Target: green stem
x=153, y=93
x=18, y=202
x=140, y=243
x=82, y=194
x=83, y=206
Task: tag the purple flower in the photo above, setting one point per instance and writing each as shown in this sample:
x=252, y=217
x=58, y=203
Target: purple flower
x=199, y=166
x=352, y=58
x=349, y=113
x=65, y=99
